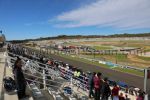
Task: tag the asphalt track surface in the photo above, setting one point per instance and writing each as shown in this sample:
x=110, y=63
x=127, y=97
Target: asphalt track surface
x=131, y=80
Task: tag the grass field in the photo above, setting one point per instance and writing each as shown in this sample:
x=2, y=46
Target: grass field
x=108, y=44
x=102, y=47
x=135, y=72
x=136, y=61
x=144, y=58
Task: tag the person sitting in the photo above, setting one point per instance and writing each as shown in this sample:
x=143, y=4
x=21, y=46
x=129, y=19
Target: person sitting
x=121, y=97
x=140, y=96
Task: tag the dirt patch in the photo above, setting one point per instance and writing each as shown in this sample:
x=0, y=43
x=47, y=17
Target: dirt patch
x=139, y=62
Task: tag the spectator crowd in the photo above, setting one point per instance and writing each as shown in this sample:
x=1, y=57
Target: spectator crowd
x=99, y=87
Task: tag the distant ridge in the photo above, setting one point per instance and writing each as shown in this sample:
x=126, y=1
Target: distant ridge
x=84, y=36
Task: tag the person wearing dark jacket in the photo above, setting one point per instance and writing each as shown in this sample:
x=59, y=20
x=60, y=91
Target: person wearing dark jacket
x=91, y=84
x=19, y=79
x=106, y=91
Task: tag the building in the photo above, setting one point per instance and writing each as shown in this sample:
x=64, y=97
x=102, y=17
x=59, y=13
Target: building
x=2, y=40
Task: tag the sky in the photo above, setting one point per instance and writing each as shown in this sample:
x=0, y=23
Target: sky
x=25, y=19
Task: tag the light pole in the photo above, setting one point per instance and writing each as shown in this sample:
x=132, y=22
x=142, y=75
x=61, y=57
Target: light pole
x=40, y=49
x=146, y=77
x=116, y=57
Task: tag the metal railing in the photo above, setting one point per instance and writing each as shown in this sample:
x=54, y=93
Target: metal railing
x=67, y=73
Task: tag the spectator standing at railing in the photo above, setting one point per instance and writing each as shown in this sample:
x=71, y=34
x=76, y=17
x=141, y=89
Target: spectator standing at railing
x=78, y=73
x=106, y=91
x=19, y=79
x=115, y=92
x=91, y=84
x=75, y=74
x=97, y=86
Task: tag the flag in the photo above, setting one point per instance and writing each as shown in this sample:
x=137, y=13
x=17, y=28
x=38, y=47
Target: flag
x=0, y=31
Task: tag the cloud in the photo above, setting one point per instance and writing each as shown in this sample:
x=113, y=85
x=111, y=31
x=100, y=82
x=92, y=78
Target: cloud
x=36, y=23
x=120, y=14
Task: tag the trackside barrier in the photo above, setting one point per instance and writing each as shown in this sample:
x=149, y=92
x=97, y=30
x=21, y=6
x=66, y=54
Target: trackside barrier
x=114, y=65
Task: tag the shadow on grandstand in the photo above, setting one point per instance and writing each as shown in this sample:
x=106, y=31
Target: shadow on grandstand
x=3, y=91
x=11, y=93
x=2, y=94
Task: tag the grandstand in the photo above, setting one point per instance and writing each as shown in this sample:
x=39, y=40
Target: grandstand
x=54, y=81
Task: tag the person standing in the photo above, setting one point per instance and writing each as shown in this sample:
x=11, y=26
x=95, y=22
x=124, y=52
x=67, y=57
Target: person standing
x=19, y=79
x=115, y=92
x=97, y=86
x=91, y=84
x=106, y=91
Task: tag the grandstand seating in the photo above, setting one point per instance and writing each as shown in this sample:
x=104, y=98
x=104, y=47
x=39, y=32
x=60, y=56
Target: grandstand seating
x=36, y=66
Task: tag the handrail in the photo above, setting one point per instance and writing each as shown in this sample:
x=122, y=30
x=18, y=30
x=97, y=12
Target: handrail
x=38, y=65
x=42, y=83
x=41, y=78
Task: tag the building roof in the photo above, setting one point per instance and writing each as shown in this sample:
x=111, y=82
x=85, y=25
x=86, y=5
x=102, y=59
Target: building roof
x=2, y=38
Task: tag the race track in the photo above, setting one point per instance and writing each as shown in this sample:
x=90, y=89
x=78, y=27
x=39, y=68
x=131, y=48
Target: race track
x=130, y=79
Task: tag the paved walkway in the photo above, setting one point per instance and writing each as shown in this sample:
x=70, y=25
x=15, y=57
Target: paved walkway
x=6, y=71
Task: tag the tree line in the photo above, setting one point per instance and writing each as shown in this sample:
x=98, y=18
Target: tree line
x=83, y=36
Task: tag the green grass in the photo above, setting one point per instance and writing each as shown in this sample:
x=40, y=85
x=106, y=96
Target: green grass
x=119, y=57
x=135, y=72
x=101, y=47
x=82, y=60
x=130, y=71
x=147, y=50
x=144, y=58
